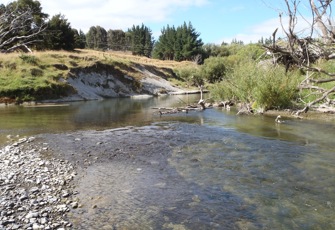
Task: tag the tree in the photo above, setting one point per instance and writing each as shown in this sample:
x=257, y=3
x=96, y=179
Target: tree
x=79, y=39
x=178, y=44
x=309, y=51
x=21, y=22
x=60, y=35
x=166, y=45
x=116, y=40
x=141, y=40
x=96, y=38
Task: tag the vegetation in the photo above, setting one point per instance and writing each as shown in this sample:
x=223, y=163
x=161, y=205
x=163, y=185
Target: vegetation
x=118, y=40
x=21, y=24
x=178, y=44
x=306, y=51
x=273, y=73
x=60, y=34
x=141, y=40
x=39, y=75
x=262, y=87
x=96, y=38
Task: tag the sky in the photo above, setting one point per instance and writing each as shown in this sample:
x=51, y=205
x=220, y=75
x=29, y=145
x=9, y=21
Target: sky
x=217, y=21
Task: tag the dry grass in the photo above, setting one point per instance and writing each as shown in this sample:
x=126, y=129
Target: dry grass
x=27, y=75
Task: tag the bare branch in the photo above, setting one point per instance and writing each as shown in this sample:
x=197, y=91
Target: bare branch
x=18, y=30
x=306, y=52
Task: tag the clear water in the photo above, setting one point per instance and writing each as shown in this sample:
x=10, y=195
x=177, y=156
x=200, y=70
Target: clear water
x=221, y=171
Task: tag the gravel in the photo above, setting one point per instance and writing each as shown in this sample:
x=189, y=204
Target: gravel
x=35, y=191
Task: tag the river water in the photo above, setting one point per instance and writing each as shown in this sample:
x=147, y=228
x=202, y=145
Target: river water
x=222, y=171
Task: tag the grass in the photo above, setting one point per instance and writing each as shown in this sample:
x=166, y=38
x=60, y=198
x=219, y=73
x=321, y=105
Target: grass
x=37, y=75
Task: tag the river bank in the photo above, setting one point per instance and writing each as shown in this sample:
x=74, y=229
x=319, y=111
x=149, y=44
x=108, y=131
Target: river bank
x=36, y=191
x=211, y=170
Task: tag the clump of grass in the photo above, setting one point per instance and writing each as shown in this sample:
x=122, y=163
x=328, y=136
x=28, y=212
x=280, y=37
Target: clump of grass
x=30, y=59
x=36, y=72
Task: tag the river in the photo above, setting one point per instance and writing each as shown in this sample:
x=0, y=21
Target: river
x=201, y=170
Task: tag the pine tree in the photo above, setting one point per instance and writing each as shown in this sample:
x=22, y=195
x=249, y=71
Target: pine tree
x=178, y=44
x=141, y=40
x=59, y=34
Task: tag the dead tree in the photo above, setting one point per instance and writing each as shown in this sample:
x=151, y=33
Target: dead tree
x=305, y=50
x=18, y=30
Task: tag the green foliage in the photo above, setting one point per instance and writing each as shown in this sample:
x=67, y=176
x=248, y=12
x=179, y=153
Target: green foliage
x=178, y=44
x=96, y=38
x=21, y=23
x=190, y=74
x=141, y=40
x=59, y=34
x=35, y=6
x=79, y=39
x=36, y=72
x=263, y=86
x=117, y=40
x=214, y=69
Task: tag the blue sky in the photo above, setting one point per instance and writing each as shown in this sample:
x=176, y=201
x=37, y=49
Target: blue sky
x=215, y=20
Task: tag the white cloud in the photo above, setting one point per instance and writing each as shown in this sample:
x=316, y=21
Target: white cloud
x=115, y=14
x=266, y=28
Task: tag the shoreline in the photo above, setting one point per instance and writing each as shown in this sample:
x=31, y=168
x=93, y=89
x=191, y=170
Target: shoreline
x=36, y=191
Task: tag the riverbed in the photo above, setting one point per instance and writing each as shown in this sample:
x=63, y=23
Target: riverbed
x=200, y=170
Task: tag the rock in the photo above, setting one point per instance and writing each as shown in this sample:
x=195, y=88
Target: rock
x=33, y=189
x=32, y=215
x=74, y=205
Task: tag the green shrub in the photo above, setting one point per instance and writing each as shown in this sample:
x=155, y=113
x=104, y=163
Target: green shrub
x=190, y=74
x=265, y=87
x=214, y=69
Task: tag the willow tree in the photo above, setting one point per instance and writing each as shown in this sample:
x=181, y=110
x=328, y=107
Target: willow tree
x=309, y=51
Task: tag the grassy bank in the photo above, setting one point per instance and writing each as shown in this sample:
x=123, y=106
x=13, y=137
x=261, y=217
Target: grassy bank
x=41, y=75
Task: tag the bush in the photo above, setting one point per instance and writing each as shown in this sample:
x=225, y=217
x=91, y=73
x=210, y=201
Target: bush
x=214, y=69
x=191, y=75
x=263, y=86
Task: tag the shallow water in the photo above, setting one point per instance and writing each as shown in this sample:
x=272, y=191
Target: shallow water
x=202, y=170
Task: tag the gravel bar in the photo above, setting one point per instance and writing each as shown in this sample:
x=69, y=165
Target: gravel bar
x=35, y=191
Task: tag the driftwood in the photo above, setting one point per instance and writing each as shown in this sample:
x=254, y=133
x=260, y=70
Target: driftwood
x=305, y=52
x=200, y=106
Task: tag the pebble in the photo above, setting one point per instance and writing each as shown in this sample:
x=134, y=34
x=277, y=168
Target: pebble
x=35, y=193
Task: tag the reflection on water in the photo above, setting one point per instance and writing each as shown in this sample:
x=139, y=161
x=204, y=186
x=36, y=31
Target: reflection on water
x=104, y=114
x=221, y=172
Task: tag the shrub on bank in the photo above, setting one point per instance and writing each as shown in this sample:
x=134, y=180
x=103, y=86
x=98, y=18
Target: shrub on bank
x=265, y=87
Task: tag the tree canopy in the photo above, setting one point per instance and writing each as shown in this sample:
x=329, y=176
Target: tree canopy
x=181, y=43
x=141, y=40
x=96, y=38
x=118, y=40
x=59, y=34
x=20, y=24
